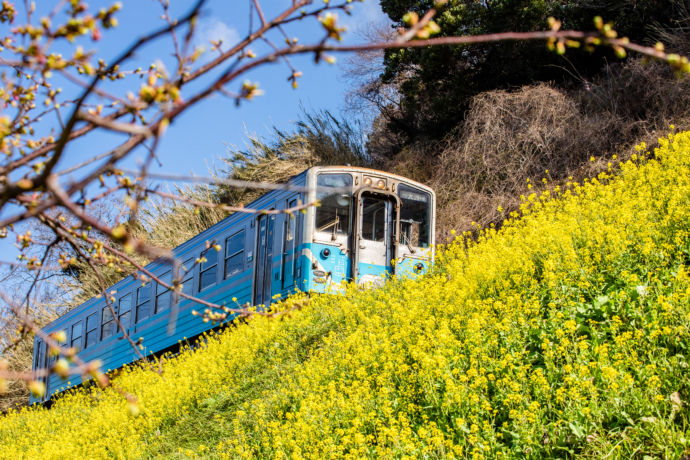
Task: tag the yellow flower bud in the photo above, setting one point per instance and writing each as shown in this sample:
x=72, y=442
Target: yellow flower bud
x=61, y=368
x=37, y=389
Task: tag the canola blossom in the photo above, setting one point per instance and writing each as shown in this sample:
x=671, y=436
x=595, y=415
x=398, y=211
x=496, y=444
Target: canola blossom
x=564, y=333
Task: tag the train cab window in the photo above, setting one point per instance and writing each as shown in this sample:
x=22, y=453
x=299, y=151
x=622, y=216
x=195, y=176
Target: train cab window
x=75, y=341
x=125, y=311
x=163, y=294
x=234, y=254
x=415, y=216
x=143, y=302
x=333, y=215
x=187, y=273
x=91, y=330
x=208, y=268
x=107, y=323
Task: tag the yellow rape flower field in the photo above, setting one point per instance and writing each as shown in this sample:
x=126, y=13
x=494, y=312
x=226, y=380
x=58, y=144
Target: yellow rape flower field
x=565, y=333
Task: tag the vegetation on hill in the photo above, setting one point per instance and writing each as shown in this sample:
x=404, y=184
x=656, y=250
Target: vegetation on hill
x=440, y=82
x=565, y=332
x=481, y=124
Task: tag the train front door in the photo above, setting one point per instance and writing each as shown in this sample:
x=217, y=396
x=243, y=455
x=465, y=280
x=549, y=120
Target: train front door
x=264, y=259
x=375, y=234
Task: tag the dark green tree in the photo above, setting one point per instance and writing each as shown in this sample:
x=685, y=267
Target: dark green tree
x=439, y=81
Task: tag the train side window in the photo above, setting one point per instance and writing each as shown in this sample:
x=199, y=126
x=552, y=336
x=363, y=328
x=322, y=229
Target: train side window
x=188, y=277
x=125, y=311
x=107, y=323
x=288, y=270
x=163, y=294
x=234, y=254
x=143, y=303
x=91, y=330
x=75, y=341
x=208, y=268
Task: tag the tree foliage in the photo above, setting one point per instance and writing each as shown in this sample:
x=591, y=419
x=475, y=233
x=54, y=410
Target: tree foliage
x=440, y=82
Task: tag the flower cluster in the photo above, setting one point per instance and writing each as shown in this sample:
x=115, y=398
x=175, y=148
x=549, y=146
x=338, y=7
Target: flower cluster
x=566, y=332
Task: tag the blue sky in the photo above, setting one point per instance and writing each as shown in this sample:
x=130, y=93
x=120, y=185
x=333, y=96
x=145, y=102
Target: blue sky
x=197, y=139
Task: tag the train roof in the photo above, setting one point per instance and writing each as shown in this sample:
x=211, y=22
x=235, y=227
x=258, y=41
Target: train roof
x=317, y=169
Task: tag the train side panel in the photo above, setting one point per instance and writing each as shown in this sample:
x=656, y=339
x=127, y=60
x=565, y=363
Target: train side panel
x=229, y=282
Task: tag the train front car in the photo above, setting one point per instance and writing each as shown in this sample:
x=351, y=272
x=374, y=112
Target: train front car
x=369, y=225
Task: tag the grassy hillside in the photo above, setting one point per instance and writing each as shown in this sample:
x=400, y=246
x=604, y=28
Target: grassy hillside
x=566, y=332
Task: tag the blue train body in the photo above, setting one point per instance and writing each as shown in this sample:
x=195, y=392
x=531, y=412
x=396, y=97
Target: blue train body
x=369, y=224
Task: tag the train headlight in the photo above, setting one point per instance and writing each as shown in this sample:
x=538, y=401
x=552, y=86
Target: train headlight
x=419, y=267
x=381, y=184
x=325, y=252
x=367, y=181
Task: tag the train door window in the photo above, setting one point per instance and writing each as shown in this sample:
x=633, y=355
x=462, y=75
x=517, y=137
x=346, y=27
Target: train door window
x=37, y=356
x=208, y=268
x=143, y=302
x=91, y=330
x=288, y=266
x=234, y=254
x=373, y=219
x=125, y=311
x=263, y=266
x=40, y=355
x=163, y=294
x=296, y=269
x=75, y=341
x=107, y=323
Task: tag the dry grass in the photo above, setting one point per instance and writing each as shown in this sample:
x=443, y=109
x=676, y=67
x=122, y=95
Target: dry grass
x=19, y=357
x=508, y=138
x=512, y=140
x=17, y=394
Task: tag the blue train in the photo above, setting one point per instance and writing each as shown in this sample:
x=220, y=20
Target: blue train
x=369, y=223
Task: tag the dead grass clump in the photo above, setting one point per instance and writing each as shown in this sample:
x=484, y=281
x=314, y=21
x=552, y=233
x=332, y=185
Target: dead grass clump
x=415, y=161
x=646, y=96
x=511, y=141
x=19, y=354
x=507, y=138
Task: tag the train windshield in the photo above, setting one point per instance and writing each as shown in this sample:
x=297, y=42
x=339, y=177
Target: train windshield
x=415, y=216
x=333, y=216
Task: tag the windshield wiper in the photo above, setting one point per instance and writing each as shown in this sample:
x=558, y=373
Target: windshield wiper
x=334, y=224
x=406, y=242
